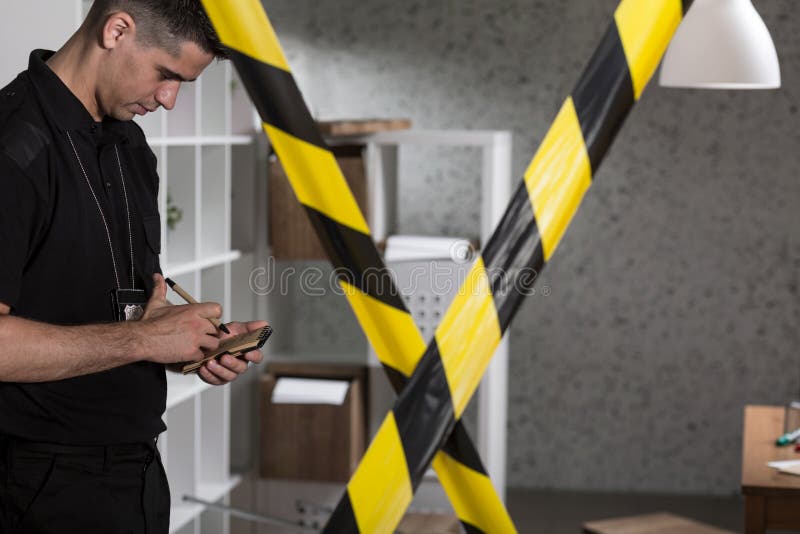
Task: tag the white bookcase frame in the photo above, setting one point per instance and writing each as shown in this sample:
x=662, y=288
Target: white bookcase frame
x=496, y=188
x=193, y=144
x=275, y=497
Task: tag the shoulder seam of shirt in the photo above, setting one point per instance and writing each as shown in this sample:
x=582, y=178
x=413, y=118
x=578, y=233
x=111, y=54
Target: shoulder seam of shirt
x=20, y=138
x=23, y=144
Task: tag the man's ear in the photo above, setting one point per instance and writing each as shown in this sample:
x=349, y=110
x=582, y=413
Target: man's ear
x=118, y=26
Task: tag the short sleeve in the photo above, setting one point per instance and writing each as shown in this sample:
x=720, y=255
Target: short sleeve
x=19, y=209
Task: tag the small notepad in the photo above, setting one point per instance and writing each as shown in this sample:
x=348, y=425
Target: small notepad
x=236, y=346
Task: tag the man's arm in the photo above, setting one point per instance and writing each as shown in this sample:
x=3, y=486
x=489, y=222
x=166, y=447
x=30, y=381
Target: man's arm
x=37, y=352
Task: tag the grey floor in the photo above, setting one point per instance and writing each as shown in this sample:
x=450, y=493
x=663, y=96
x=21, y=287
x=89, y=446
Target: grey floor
x=556, y=512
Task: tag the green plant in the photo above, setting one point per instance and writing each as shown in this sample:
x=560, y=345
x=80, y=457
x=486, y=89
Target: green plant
x=174, y=213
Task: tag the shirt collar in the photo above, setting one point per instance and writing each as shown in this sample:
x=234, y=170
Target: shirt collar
x=64, y=108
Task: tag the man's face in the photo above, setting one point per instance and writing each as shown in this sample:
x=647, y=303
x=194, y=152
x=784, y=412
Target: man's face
x=139, y=79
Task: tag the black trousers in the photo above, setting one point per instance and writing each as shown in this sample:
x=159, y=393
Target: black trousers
x=55, y=489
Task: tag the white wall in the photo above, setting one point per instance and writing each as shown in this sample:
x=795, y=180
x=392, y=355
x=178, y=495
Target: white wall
x=31, y=24
x=673, y=297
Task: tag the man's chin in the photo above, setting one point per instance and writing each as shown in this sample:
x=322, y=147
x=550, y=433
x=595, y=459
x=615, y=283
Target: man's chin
x=123, y=115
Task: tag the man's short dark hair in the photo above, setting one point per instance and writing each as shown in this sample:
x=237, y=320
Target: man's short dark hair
x=163, y=23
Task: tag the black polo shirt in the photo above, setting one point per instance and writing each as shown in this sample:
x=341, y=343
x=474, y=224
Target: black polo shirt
x=55, y=262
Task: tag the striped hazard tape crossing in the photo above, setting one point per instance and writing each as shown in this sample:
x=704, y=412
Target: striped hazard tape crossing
x=320, y=186
x=525, y=239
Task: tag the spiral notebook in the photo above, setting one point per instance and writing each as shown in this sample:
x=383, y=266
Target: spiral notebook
x=236, y=346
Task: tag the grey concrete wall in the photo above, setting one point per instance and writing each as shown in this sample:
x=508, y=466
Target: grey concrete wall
x=674, y=293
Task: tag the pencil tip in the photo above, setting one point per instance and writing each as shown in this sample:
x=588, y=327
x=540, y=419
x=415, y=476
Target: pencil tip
x=169, y=282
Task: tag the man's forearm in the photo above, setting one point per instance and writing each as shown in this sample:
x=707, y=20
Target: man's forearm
x=39, y=352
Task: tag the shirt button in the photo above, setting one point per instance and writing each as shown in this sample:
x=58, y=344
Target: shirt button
x=108, y=185
x=93, y=128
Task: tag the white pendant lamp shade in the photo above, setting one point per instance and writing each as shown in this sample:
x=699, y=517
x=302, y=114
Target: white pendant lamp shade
x=721, y=44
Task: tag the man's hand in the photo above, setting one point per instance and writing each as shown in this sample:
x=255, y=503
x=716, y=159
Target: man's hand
x=228, y=368
x=173, y=334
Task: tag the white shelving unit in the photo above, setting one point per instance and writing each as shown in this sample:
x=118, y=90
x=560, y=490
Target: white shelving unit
x=496, y=188
x=381, y=160
x=382, y=150
x=193, y=144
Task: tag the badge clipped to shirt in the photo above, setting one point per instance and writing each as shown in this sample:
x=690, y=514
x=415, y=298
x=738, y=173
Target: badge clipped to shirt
x=129, y=304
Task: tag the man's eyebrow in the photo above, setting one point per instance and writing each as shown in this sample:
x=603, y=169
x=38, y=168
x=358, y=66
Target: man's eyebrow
x=171, y=75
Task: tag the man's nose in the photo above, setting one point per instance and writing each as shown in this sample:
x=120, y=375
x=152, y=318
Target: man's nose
x=167, y=94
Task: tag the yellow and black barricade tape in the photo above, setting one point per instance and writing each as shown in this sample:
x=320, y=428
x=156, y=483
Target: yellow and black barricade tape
x=524, y=241
x=319, y=185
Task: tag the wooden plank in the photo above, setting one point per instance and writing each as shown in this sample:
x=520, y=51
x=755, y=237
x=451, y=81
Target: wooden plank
x=362, y=126
x=313, y=441
x=291, y=235
x=660, y=523
x=317, y=369
x=782, y=513
x=755, y=516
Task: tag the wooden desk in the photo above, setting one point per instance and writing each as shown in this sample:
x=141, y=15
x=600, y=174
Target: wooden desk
x=772, y=499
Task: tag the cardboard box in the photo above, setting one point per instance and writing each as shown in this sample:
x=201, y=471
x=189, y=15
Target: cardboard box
x=315, y=442
x=291, y=235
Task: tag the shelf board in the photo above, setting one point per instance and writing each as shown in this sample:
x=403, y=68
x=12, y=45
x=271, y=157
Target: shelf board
x=180, y=514
x=204, y=263
x=200, y=140
x=214, y=491
x=181, y=388
x=484, y=138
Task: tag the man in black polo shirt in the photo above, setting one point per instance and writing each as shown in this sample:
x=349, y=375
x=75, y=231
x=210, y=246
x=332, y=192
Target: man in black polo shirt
x=82, y=390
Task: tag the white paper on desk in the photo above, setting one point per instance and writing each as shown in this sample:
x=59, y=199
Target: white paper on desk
x=791, y=470
x=791, y=467
x=783, y=463
x=309, y=391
